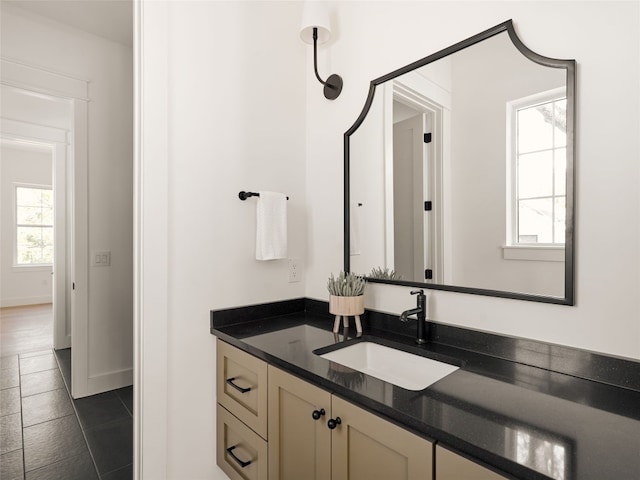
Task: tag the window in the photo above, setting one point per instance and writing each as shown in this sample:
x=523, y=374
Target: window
x=538, y=154
x=34, y=225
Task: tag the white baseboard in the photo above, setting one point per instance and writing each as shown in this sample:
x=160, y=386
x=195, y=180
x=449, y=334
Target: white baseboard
x=66, y=343
x=107, y=381
x=19, y=302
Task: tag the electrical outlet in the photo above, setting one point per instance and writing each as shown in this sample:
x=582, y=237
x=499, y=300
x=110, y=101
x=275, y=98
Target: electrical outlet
x=295, y=272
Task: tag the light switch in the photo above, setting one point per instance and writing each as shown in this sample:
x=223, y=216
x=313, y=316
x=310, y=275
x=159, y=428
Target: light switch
x=101, y=259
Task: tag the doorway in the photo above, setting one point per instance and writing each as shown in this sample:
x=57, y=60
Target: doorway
x=35, y=256
x=415, y=127
x=413, y=245
x=36, y=120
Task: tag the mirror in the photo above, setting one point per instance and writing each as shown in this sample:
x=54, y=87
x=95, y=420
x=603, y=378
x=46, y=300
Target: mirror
x=459, y=173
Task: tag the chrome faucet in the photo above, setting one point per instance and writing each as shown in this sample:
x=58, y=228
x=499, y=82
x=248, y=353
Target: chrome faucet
x=421, y=312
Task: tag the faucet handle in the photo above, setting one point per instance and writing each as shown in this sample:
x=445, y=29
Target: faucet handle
x=417, y=292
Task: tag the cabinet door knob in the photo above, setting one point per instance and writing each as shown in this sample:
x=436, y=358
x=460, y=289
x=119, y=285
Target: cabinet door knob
x=240, y=389
x=240, y=462
x=333, y=423
x=318, y=413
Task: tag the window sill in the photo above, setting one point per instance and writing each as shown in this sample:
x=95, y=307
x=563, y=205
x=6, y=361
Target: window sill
x=536, y=253
x=32, y=268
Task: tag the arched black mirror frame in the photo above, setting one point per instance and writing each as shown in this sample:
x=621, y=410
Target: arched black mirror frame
x=570, y=67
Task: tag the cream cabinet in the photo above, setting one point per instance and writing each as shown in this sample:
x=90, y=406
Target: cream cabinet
x=274, y=425
x=315, y=435
x=450, y=466
x=241, y=433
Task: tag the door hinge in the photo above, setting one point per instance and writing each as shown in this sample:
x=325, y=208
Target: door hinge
x=428, y=206
x=428, y=274
x=427, y=138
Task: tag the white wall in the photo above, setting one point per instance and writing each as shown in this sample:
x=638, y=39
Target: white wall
x=108, y=66
x=233, y=81
x=21, y=285
x=374, y=38
x=481, y=91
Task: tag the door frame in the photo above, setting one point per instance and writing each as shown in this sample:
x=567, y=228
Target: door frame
x=40, y=81
x=423, y=96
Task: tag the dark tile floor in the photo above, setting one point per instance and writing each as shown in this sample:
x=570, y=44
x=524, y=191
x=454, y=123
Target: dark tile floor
x=44, y=434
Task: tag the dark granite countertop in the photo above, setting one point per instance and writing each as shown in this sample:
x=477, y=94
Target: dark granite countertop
x=524, y=421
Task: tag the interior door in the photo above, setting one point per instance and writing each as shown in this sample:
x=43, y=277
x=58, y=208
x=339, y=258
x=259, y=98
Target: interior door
x=409, y=196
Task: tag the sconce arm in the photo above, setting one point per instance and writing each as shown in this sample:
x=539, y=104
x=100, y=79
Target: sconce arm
x=333, y=84
x=315, y=56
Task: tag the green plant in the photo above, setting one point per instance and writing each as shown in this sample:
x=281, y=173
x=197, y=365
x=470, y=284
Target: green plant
x=384, y=274
x=346, y=285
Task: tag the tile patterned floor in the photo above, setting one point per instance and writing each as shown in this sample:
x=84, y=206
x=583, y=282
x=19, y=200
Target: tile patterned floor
x=44, y=434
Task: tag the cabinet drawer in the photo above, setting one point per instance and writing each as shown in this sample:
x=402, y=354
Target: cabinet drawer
x=242, y=386
x=241, y=454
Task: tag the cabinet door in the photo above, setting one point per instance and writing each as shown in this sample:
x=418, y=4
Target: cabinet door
x=299, y=445
x=366, y=446
x=450, y=466
x=242, y=386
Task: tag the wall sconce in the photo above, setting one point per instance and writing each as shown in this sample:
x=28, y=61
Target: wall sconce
x=315, y=28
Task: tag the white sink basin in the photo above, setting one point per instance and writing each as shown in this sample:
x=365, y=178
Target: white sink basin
x=403, y=369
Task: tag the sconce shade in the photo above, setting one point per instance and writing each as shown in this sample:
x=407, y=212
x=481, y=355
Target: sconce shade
x=315, y=15
x=315, y=29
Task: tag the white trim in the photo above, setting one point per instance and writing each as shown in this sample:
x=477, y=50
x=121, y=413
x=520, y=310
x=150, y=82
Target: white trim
x=29, y=268
x=151, y=233
x=79, y=203
x=32, y=185
x=538, y=253
x=389, y=240
x=137, y=241
x=40, y=80
x=26, y=134
x=104, y=382
x=20, y=301
x=426, y=96
x=65, y=342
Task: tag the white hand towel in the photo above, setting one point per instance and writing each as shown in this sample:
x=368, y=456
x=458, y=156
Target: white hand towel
x=271, y=228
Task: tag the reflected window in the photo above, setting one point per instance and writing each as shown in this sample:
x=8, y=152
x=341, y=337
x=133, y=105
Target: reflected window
x=537, y=161
x=34, y=225
x=546, y=456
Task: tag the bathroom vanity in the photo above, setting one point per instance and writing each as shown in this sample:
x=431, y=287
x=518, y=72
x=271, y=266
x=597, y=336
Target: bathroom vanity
x=284, y=411
x=304, y=441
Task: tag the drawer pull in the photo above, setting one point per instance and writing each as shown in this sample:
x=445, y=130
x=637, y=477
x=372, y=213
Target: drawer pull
x=240, y=389
x=240, y=462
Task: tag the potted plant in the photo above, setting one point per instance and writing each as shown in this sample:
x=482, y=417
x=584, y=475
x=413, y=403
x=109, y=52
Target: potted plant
x=346, y=298
x=384, y=274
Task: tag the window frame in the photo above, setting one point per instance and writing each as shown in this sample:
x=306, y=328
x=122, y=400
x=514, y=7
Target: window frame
x=28, y=266
x=513, y=249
